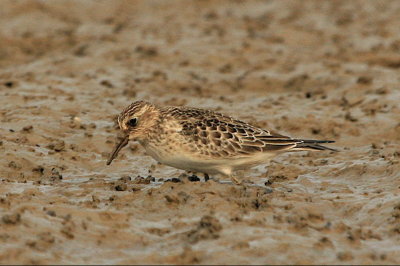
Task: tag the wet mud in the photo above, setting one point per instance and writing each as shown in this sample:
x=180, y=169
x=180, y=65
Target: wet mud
x=309, y=69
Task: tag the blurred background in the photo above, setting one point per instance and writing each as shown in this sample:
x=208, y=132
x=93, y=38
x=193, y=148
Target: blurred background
x=310, y=69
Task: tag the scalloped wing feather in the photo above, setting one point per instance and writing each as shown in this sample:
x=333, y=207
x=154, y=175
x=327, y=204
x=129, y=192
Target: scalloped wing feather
x=225, y=136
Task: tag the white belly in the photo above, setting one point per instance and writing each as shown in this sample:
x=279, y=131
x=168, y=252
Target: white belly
x=193, y=163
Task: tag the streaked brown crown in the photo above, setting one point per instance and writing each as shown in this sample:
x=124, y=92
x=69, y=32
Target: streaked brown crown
x=134, y=108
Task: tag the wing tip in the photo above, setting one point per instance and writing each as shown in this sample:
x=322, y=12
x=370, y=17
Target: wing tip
x=314, y=147
x=311, y=141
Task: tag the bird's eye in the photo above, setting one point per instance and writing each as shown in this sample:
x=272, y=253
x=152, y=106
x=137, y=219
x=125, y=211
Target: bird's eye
x=132, y=122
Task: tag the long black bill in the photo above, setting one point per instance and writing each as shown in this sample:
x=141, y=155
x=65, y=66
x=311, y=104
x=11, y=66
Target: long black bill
x=117, y=148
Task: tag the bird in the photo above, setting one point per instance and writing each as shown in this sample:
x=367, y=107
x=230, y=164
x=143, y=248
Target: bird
x=201, y=140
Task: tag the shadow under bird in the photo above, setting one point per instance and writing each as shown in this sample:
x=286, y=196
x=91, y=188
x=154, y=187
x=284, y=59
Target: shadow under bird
x=203, y=141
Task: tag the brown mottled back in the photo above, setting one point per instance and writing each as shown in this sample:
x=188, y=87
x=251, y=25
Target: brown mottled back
x=218, y=135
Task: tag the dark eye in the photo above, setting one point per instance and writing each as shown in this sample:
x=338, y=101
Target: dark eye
x=132, y=122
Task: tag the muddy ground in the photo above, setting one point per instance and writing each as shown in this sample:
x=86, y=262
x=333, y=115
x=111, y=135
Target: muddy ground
x=310, y=69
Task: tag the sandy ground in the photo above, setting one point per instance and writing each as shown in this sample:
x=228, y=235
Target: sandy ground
x=310, y=69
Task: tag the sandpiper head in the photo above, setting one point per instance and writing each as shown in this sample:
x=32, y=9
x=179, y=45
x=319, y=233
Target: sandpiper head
x=137, y=118
x=135, y=121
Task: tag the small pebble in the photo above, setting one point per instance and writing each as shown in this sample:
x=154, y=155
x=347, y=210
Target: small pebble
x=142, y=180
x=121, y=187
x=125, y=178
x=11, y=218
x=9, y=84
x=55, y=174
x=193, y=178
x=268, y=183
x=51, y=213
x=27, y=129
x=57, y=146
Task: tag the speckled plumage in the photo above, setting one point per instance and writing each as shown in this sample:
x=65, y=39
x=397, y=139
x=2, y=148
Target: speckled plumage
x=202, y=140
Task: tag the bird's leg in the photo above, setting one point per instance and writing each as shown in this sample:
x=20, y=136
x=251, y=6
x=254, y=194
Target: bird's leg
x=235, y=180
x=227, y=171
